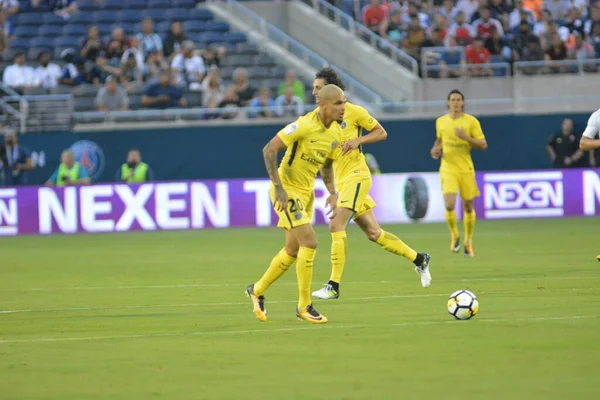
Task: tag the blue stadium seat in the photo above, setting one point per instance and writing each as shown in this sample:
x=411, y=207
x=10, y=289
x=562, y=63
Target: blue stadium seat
x=112, y=4
x=105, y=17
x=41, y=42
x=129, y=16
x=30, y=19
x=156, y=14
x=75, y=30
x=34, y=52
x=234, y=37
x=217, y=26
x=87, y=5
x=210, y=37
x=19, y=44
x=278, y=71
x=246, y=48
x=67, y=41
x=104, y=29
x=162, y=27
x=201, y=14
x=194, y=26
x=184, y=3
x=50, y=30
x=81, y=18
x=9, y=54
x=159, y=3
x=131, y=29
x=134, y=4
x=26, y=31
x=51, y=19
x=258, y=72
x=179, y=14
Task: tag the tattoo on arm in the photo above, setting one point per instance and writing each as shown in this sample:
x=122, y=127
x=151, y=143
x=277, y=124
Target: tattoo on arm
x=270, y=156
x=327, y=175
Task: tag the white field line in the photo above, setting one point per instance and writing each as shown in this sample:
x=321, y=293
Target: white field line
x=509, y=293
x=243, y=285
x=303, y=328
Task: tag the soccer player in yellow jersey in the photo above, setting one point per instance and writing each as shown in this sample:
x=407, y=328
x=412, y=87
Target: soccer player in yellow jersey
x=353, y=180
x=311, y=142
x=457, y=132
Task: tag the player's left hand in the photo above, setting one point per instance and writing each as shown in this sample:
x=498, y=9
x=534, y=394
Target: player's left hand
x=460, y=133
x=331, y=206
x=350, y=145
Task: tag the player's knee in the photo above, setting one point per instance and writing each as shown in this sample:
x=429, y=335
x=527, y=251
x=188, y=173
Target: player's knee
x=468, y=206
x=449, y=207
x=373, y=233
x=292, y=251
x=336, y=226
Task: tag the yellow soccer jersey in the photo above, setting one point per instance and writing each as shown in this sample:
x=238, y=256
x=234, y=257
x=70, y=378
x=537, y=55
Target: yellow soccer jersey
x=456, y=153
x=308, y=143
x=356, y=118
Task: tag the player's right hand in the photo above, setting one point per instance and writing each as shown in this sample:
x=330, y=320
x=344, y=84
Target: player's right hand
x=281, y=198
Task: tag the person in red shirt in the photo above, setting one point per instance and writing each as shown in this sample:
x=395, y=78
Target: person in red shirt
x=477, y=54
x=373, y=15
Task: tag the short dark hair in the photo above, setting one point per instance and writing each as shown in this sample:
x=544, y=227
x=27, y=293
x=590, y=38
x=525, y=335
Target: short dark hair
x=456, y=91
x=330, y=77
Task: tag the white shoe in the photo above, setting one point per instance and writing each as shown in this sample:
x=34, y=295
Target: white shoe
x=326, y=293
x=423, y=270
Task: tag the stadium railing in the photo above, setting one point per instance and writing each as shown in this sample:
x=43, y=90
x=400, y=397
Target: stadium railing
x=10, y=101
x=346, y=22
x=43, y=113
x=297, y=49
x=557, y=67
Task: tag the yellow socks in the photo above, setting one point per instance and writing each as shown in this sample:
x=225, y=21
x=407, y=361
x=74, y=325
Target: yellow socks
x=394, y=245
x=469, y=221
x=339, y=248
x=452, y=224
x=280, y=263
x=304, y=272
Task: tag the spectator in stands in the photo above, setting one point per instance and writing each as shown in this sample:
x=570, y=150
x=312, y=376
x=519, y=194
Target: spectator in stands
x=19, y=76
x=535, y=6
x=461, y=30
x=175, y=37
x=574, y=22
x=132, y=76
x=448, y=9
x=533, y=52
x=163, y=94
x=62, y=8
x=69, y=71
x=393, y=26
x=211, y=109
x=594, y=19
x=288, y=105
x=558, y=8
x=581, y=50
x=212, y=89
x=6, y=32
x=557, y=51
x=519, y=42
x=434, y=39
x=467, y=7
x=154, y=64
x=501, y=10
x=189, y=69
x=476, y=54
x=18, y=161
x=112, y=97
x=134, y=170
x=516, y=16
x=296, y=84
x=542, y=27
x=413, y=11
x=135, y=49
x=415, y=36
x=9, y=7
x=451, y=60
x=497, y=46
x=594, y=39
x=373, y=14
x=69, y=172
x=116, y=44
x=92, y=45
x=483, y=26
x=263, y=105
x=212, y=57
x=441, y=23
x=243, y=90
x=230, y=102
x=563, y=148
x=47, y=74
x=149, y=40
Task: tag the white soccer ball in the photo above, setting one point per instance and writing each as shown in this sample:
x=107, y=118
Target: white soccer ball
x=463, y=305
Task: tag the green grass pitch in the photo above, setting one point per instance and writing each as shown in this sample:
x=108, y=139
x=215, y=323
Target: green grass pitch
x=162, y=315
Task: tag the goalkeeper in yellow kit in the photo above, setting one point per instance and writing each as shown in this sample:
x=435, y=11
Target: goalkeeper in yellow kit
x=353, y=181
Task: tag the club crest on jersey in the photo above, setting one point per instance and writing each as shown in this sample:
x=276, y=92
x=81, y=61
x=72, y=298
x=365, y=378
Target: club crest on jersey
x=343, y=125
x=335, y=143
x=291, y=128
x=297, y=216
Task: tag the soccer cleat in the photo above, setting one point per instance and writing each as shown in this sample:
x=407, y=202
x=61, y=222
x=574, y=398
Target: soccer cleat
x=327, y=292
x=311, y=315
x=455, y=244
x=258, y=302
x=423, y=270
x=598, y=257
x=469, y=250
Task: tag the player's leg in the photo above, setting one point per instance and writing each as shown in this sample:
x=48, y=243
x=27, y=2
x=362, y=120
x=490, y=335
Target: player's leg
x=307, y=241
x=450, y=190
x=339, y=249
x=388, y=241
x=468, y=191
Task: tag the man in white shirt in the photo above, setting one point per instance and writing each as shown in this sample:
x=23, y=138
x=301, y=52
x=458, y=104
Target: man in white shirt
x=589, y=140
x=19, y=76
x=47, y=74
x=149, y=40
x=514, y=18
x=9, y=7
x=189, y=68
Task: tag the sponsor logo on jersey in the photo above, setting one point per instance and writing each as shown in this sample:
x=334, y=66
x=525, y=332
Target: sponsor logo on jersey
x=291, y=128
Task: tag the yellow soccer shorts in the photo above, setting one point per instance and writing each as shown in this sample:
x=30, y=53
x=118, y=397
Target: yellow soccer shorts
x=299, y=209
x=354, y=194
x=463, y=182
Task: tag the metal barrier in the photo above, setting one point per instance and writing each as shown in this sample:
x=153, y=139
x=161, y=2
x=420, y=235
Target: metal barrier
x=294, y=47
x=557, y=67
x=45, y=113
x=11, y=113
x=346, y=22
